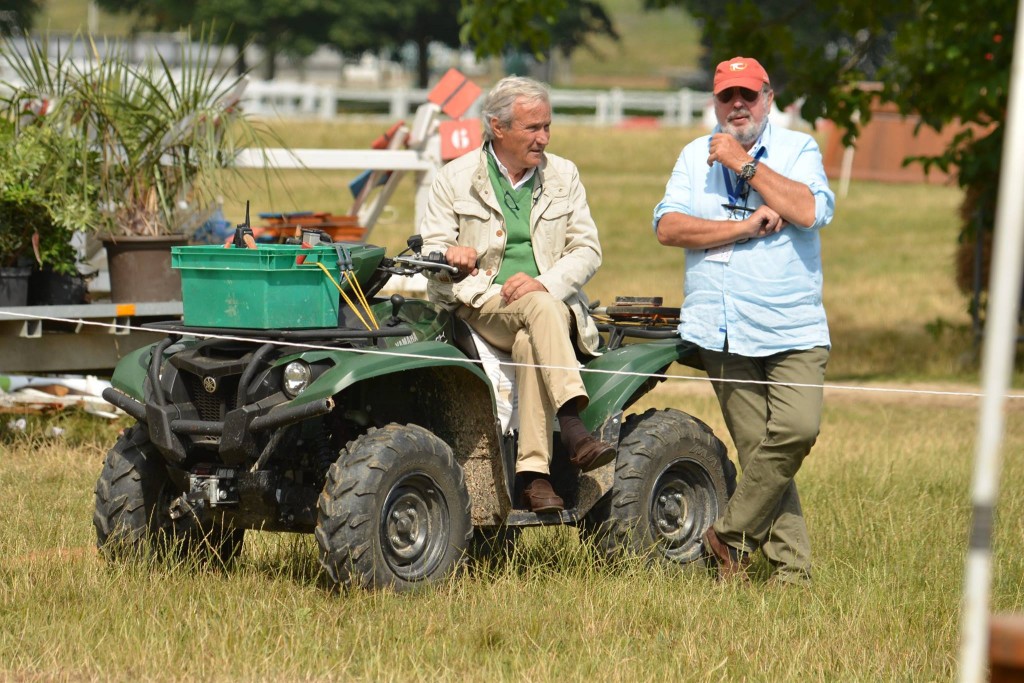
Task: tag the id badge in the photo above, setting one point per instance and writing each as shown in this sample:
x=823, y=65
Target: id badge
x=720, y=254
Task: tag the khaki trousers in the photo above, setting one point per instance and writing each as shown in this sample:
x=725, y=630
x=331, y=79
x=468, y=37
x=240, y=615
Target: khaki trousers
x=536, y=331
x=774, y=427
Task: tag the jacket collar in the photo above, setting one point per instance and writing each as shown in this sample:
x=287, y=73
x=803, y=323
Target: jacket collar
x=548, y=185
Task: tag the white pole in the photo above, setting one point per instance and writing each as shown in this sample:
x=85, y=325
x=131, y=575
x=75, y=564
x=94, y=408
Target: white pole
x=997, y=367
x=92, y=19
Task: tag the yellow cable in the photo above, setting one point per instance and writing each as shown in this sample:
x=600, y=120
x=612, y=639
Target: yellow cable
x=361, y=296
x=343, y=295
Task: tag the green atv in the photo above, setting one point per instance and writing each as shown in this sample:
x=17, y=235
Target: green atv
x=376, y=430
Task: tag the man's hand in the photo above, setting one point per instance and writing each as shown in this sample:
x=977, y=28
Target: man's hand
x=519, y=285
x=764, y=221
x=463, y=258
x=726, y=150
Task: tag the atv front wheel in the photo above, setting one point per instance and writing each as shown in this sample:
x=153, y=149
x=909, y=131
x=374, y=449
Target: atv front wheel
x=131, y=515
x=394, y=512
x=672, y=479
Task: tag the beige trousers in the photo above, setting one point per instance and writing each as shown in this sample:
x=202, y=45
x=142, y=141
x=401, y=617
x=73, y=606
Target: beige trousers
x=536, y=331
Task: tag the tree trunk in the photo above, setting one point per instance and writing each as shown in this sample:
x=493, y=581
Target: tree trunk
x=270, y=65
x=423, y=63
x=241, y=65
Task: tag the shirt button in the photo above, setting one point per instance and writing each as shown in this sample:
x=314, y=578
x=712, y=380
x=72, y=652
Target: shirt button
x=489, y=272
x=500, y=232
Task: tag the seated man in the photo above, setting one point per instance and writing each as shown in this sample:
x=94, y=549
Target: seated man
x=515, y=221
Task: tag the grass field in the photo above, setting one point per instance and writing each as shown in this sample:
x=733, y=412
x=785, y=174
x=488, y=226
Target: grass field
x=886, y=494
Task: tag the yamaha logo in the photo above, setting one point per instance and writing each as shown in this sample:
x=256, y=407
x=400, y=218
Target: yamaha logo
x=209, y=384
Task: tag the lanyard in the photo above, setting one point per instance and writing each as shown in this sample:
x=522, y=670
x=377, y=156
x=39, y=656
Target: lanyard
x=739, y=192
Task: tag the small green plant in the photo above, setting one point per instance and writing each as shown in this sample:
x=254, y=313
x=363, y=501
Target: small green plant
x=45, y=196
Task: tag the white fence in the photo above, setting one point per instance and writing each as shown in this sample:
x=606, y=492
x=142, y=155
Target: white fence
x=601, y=107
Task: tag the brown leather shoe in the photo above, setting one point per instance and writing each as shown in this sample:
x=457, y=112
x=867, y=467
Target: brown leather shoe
x=538, y=496
x=592, y=453
x=730, y=561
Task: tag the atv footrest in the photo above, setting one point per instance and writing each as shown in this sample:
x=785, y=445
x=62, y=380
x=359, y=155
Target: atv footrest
x=527, y=518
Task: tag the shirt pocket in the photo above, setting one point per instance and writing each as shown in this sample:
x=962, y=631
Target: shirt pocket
x=474, y=221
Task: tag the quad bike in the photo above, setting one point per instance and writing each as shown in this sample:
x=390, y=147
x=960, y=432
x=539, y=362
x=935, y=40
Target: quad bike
x=379, y=435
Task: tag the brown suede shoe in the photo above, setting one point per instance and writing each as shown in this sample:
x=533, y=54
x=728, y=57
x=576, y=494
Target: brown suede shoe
x=592, y=453
x=730, y=561
x=538, y=496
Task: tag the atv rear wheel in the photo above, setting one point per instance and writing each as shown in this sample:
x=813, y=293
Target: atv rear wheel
x=131, y=515
x=394, y=512
x=672, y=479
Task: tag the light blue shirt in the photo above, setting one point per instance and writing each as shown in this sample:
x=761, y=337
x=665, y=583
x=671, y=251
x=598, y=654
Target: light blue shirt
x=767, y=297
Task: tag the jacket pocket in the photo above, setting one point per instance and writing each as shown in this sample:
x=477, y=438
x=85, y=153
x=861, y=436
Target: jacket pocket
x=474, y=220
x=552, y=224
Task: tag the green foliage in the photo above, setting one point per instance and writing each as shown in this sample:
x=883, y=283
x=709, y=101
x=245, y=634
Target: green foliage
x=371, y=26
x=45, y=196
x=947, y=61
x=492, y=26
x=158, y=137
x=534, y=26
x=18, y=15
x=296, y=29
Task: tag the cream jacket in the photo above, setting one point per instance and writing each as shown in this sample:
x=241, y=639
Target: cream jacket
x=463, y=210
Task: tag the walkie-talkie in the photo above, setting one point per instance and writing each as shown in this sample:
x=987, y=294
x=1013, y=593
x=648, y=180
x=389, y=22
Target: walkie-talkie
x=243, y=233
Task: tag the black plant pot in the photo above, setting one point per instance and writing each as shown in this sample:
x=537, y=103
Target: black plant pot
x=47, y=288
x=14, y=285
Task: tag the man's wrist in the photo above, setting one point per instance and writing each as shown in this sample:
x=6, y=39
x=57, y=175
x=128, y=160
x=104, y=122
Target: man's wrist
x=748, y=169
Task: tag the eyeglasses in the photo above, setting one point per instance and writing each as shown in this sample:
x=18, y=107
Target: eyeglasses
x=744, y=209
x=511, y=202
x=729, y=94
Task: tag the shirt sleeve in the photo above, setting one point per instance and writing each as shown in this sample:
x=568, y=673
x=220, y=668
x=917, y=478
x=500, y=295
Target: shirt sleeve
x=808, y=168
x=679, y=189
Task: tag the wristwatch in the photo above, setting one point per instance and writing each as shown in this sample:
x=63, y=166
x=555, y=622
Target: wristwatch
x=748, y=169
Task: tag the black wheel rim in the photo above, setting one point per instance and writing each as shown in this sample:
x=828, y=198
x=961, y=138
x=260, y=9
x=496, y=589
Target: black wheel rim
x=414, y=527
x=683, y=505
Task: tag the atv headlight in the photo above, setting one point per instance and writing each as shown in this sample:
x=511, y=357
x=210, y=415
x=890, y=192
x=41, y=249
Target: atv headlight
x=296, y=378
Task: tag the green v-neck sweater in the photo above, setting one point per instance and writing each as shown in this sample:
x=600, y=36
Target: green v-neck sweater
x=515, y=206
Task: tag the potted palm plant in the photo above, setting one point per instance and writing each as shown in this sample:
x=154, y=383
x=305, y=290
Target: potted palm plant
x=162, y=142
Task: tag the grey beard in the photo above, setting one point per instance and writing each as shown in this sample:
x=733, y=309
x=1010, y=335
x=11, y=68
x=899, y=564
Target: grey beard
x=749, y=136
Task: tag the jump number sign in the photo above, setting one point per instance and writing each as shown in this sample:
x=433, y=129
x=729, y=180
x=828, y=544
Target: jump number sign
x=459, y=137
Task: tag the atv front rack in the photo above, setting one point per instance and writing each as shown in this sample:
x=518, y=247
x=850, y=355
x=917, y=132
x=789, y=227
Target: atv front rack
x=313, y=334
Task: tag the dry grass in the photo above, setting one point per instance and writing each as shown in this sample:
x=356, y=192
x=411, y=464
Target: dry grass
x=885, y=493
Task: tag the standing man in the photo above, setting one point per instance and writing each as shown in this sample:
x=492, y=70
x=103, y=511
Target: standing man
x=747, y=203
x=515, y=221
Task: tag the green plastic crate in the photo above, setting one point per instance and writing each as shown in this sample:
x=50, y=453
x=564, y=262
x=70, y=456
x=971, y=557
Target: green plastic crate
x=262, y=288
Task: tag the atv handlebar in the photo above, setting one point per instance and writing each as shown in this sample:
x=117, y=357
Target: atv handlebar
x=434, y=261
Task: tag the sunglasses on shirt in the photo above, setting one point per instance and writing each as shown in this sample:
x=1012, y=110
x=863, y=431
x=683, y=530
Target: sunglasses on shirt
x=729, y=94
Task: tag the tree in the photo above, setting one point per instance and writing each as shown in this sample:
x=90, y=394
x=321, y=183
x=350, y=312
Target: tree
x=493, y=25
x=373, y=25
x=17, y=16
x=290, y=27
x=536, y=26
x=574, y=27
x=948, y=61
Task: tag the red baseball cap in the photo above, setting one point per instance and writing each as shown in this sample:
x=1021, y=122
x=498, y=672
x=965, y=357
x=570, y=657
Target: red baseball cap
x=744, y=72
